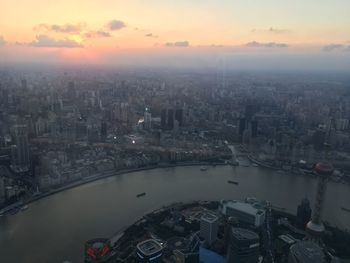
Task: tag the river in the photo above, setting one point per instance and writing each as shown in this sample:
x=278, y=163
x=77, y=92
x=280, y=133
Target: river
x=55, y=228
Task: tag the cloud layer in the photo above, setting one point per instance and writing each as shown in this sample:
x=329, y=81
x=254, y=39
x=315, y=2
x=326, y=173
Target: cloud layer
x=67, y=28
x=268, y=45
x=177, y=44
x=115, y=25
x=336, y=47
x=45, y=41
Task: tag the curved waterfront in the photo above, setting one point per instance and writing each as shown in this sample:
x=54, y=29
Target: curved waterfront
x=54, y=229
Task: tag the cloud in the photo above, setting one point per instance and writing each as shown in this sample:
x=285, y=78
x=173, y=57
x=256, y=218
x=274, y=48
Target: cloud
x=272, y=30
x=268, y=45
x=151, y=35
x=177, y=44
x=98, y=33
x=67, y=28
x=2, y=41
x=332, y=47
x=115, y=25
x=45, y=41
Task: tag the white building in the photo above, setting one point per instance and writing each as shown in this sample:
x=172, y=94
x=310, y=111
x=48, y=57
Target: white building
x=209, y=227
x=243, y=211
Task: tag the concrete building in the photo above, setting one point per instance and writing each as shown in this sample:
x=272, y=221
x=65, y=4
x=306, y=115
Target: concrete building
x=209, y=227
x=243, y=246
x=244, y=212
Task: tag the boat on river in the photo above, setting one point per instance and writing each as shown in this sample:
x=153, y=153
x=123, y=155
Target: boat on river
x=232, y=182
x=141, y=194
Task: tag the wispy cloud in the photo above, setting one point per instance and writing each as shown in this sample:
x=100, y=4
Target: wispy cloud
x=151, y=35
x=272, y=30
x=115, y=25
x=45, y=41
x=267, y=45
x=177, y=44
x=332, y=47
x=96, y=34
x=66, y=28
x=2, y=41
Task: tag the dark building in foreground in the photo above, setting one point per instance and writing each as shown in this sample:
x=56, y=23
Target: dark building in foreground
x=306, y=252
x=149, y=251
x=243, y=246
x=303, y=213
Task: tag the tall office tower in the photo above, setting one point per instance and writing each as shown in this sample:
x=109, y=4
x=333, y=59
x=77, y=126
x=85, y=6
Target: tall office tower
x=179, y=116
x=242, y=126
x=243, y=246
x=315, y=227
x=103, y=130
x=147, y=119
x=254, y=127
x=22, y=147
x=306, y=252
x=24, y=84
x=2, y=189
x=163, y=118
x=303, y=213
x=170, y=118
x=209, y=227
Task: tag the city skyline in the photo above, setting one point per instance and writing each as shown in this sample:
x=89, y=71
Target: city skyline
x=186, y=33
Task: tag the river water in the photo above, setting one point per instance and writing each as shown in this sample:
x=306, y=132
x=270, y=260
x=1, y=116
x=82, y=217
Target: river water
x=55, y=228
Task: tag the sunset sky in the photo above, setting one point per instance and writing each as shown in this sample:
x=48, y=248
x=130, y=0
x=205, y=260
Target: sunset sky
x=98, y=31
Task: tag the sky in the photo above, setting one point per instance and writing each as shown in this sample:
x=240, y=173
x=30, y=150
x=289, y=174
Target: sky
x=287, y=33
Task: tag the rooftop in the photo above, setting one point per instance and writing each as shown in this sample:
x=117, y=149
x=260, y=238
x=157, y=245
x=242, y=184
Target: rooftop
x=306, y=251
x=244, y=234
x=149, y=247
x=209, y=217
x=242, y=206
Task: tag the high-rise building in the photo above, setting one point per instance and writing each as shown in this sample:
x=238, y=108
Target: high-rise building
x=242, y=126
x=103, y=130
x=170, y=118
x=303, y=213
x=24, y=84
x=254, y=126
x=22, y=147
x=163, y=118
x=306, y=252
x=315, y=227
x=209, y=227
x=243, y=246
x=2, y=189
x=149, y=251
x=147, y=119
x=179, y=116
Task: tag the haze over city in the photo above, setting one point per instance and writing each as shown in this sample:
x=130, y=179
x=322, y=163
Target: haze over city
x=187, y=131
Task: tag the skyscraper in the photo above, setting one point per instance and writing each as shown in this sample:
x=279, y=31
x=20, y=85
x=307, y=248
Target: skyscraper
x=22, y=147
x=243, y=246
x=209, y=227
x=303, y=213
x=147, y=119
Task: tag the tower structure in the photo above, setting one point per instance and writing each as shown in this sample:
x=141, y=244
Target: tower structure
x=315, y=227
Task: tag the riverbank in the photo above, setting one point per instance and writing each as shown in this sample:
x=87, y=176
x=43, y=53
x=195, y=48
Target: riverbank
x=106, y=175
